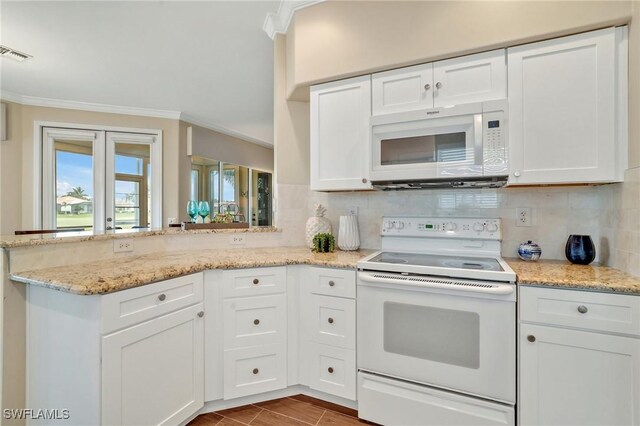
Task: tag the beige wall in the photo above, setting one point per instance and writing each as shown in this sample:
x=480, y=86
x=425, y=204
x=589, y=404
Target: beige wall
x=339, y=39
x=11, y=171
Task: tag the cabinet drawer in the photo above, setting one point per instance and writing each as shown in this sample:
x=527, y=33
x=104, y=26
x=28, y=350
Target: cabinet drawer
x=254, y=370
x=332, y=321
x=333, y=282
x=128, y=307
x=249, y=282
x=333, y=370
x=255, y=321
x=615, y=313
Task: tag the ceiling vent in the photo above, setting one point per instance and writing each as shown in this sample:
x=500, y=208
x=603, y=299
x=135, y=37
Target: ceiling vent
x=7, y=52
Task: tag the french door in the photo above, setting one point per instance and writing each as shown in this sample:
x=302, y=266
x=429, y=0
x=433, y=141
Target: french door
x=100, y=180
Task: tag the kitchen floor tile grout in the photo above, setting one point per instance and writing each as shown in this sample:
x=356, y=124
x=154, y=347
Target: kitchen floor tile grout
x=323, y=413
x=298, y=420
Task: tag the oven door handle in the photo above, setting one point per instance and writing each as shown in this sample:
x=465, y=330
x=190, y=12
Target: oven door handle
x=380, y=279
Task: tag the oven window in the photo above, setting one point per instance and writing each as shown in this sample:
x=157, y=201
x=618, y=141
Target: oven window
x=441, y=335
x=440, y=148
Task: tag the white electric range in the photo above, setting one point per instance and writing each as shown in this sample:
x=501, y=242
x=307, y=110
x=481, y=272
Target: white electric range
x=437, y=325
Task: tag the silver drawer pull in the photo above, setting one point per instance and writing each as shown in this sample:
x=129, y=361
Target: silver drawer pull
x=162, y=297
x=256, y=371
x=531, y=338
x=201, y=314
x=256, y=281
x=331, y=283
x=330, y=320
x=330, y=370
x=256, y=321
x=582, y=309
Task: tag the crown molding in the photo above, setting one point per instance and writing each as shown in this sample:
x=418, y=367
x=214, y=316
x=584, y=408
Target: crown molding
x=278, y=23
x=224, y=130
x=88, y=106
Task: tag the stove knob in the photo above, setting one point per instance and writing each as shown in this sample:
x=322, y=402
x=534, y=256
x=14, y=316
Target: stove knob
x=492, y=227
x=400, y=225
x=478, y=226
x=451, y=226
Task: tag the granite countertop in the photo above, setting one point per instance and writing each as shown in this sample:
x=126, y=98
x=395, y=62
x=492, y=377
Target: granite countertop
x=103, y=277
x=562, y=274
x=13, y=241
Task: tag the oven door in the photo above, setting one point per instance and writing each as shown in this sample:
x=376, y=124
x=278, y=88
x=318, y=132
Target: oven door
x=462, y=340
x=414, y=145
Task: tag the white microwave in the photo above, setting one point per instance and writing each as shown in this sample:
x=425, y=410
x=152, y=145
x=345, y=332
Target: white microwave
x=463, y=142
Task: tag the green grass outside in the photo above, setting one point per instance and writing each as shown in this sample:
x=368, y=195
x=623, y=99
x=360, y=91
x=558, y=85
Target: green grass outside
x=86, y=220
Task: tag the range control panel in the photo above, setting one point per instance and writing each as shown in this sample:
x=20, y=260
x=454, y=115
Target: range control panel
x=442, y=227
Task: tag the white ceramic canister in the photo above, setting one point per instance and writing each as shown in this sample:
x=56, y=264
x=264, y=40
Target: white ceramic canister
x=348, y=235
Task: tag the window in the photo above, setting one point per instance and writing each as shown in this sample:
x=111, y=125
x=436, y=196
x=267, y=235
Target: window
x=94, y=179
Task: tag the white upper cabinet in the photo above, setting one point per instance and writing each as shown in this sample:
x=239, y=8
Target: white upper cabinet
x=402, y=89
x=340, y=113
x=466, y=79
x=474, y=78
x=567, y=103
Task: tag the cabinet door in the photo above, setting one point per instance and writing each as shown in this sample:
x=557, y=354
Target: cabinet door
x=340, y=114
x=572, y=377
x=562, y=110
x=153, y=373
x=473, y=78
x=404, y=89
x=255, y=321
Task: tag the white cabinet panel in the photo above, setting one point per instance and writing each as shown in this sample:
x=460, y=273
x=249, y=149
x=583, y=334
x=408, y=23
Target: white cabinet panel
x=570, y=377
x=402, y=89
x=562, y=106
x=254, y=370
x=332, y=321
x=254, y=321
x=340, y=114
x=333, y=370
x=473, y=78
x=153, y=373
x=254, y=282
x=332, y=282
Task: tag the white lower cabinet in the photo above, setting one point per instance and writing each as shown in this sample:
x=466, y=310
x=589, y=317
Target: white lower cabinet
x=153, y=373
x=254, y=370
x=332, y=370
x=579, y=375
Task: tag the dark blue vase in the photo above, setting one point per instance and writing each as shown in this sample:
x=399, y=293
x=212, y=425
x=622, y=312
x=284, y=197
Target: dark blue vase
x=580, y=249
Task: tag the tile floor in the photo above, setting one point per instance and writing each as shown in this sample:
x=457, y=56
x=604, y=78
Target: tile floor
x=296, y=410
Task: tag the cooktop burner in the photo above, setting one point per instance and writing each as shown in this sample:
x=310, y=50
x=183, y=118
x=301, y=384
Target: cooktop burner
x=442, y=261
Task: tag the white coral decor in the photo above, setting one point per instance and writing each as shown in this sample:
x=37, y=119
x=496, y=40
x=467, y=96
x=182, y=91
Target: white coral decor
x=317, y=224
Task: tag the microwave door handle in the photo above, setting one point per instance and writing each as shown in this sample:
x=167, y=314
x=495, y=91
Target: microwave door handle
x=477, y=139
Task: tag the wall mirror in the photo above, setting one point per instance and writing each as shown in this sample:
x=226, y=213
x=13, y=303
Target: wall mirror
x=240, y=192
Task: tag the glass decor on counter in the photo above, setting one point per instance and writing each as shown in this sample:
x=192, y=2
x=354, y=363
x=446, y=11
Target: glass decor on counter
x=529, y=251
x=203, y=210
x=580, y=249
x=192, y=210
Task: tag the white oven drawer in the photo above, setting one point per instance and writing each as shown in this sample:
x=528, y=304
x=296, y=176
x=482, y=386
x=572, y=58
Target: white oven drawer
x=255, y=321
x=332, y=370
x=254, y=370
x=332, y=282
x=253, y=282
x=393, y=402
x=616, y=313
x=332, y=321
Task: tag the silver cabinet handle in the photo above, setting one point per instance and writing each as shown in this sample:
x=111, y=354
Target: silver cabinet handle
x=256, y=281
x=256, y=321
x=582, y=309
x=531, y=338
x=162, y=297
x=331, y=283
x=330, y=320
x=256, y=371
x=364, y=180
x=201, y=314
x=427, y=86
x=516, y=173
x=438, y=85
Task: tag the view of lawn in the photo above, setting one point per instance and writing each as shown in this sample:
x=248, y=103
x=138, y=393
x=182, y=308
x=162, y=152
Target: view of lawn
x=125, y=220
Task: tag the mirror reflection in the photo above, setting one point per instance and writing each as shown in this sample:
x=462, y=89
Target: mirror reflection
x=235, y=193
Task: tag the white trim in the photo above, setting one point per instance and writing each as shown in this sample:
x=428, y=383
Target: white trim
x=224, y=130
x=88, y=106
x=278, y=23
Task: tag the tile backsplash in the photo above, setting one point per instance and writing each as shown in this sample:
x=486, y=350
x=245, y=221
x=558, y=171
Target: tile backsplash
x=557, y=212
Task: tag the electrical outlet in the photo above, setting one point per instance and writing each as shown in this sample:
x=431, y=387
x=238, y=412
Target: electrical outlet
x=523, y=216
x=353, y=210
x=237, y=240
x=121, y=246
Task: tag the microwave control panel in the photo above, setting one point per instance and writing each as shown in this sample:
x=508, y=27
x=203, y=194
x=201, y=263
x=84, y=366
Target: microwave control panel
x=494, y=143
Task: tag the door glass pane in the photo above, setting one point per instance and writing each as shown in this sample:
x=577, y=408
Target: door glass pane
x=438, y=148
x=441, y=335
x=133, y=185
x=195, y=190
x=214, y=190
x=261, y=198
x=74, y=184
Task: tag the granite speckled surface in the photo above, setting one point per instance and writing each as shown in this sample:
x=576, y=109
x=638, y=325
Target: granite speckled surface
x=13, y=241
x=562, y=274
x=108, y=276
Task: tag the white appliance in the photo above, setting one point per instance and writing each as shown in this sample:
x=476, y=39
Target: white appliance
x=459, y=144
x=437, y=325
